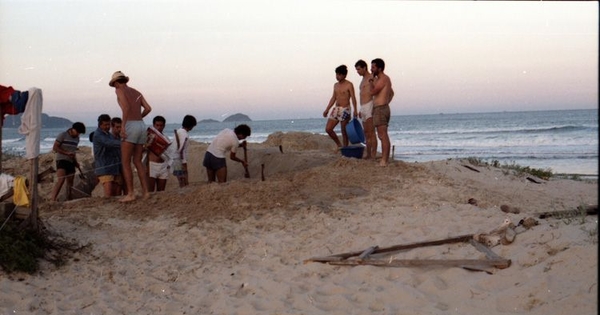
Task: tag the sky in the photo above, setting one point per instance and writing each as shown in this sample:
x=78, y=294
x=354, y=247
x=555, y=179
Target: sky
x=277, y=59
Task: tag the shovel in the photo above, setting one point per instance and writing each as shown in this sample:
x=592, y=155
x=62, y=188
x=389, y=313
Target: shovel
x=81, y=176
x=247, y=172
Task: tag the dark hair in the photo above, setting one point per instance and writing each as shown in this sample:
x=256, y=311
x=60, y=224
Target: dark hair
x=342, y=70
x=116, y=120
x=242, y=129
x=189, y=122
x=361, y=63
x=159, y=118
x=379, y=63
x=102, y=118
x=79, y=127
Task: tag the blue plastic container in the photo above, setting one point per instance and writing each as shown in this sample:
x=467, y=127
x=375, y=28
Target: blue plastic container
x=353, y=151
x=355, y=131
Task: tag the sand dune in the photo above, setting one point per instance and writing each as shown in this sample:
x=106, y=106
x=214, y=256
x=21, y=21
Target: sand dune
x=239, y=247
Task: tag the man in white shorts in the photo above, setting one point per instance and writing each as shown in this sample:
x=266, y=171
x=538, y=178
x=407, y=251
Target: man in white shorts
x=157, y=166
x=366, y=108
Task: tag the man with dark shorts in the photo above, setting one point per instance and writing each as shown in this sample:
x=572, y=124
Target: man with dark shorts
x=226, y=141
x=381, y=89
x=65, y=148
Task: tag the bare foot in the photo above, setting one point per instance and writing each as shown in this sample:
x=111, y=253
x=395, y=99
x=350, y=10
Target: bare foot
x=383, y=164
x=127, y=198
x=146, y=196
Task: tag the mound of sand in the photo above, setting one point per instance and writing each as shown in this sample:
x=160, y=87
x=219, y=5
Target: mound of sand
x=239, y=247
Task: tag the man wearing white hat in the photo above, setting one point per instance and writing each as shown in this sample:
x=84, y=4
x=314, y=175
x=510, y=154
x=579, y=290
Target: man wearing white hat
x=133, y=134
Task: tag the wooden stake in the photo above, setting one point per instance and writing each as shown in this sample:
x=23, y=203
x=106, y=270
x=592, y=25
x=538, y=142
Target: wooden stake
x=393, y=149
x=262, y=172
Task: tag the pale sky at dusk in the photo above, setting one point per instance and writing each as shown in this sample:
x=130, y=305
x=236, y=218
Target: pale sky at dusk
x=276, y=59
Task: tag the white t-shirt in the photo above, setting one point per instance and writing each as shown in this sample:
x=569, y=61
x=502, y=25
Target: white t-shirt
x=225, y=141
x=184, y=142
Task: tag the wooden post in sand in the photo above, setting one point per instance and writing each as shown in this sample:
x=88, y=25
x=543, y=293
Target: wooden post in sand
x=33, y=216
x=393, y=149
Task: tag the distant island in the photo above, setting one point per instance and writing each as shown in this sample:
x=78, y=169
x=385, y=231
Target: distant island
x=237, y=117
x=204, y=121
x=14, y=121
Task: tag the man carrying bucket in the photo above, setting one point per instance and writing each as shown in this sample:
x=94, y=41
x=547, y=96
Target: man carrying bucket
x=158, y=166
x=343, y=92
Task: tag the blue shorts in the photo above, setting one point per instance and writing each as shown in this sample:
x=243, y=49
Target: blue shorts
x=213, y=163
x=136, y=132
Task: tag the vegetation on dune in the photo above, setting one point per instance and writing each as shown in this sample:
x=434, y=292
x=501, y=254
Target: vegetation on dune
x=22, y=249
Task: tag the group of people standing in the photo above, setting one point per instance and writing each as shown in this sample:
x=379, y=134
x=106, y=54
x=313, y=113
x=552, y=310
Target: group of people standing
x=376, y=93
x=119, y=143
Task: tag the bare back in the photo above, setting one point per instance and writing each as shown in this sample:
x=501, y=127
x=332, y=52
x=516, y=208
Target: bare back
x=131, y=102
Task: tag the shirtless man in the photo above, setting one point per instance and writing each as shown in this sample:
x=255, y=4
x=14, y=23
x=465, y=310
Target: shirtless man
x=366, y=108
x=133, y=134
x=343, y=91
x=158, y=171
x=381, y=90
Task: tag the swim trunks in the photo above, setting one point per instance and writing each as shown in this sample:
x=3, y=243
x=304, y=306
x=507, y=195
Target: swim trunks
x=178, y=170
x=159, y=170
x=136, y=132
x=340, y=113
x=212, y=162
x=381, y=115
x=68, y=166
x=366, y=111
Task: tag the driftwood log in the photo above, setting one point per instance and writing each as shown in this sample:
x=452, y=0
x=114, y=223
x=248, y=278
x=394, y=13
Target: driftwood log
x=357, y=258
x=587, y=210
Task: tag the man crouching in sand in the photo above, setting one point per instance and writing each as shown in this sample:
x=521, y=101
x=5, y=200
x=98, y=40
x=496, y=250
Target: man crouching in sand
x=226, y=141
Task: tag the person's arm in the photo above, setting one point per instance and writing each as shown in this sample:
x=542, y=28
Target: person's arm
x=146, y=107
x=391, y=95
x=331, y=102
x=57, y=147
x=353, y=98
x=106, y=140
x=376, y=86
x=235, y=158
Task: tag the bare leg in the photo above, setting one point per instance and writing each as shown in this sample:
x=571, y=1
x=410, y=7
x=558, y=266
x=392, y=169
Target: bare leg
x=108, y=189
x=152, y=184
x=222, y=174
x=211, y=174
x=69, y=179
x=344, y=133
x=126, y=155
x=371, y=139
x=60, y=180
x=138, y=150
x=329, y=129
x=161, y=184
x=385, y=144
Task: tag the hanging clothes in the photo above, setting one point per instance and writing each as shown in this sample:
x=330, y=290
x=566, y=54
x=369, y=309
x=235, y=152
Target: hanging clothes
x=31, y=123
x=21, y=193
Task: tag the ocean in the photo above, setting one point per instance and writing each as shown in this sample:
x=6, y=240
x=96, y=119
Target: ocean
x=563, y=141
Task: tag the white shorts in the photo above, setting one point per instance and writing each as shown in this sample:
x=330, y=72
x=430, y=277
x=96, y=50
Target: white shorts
x=159, y=170
x=366, y=111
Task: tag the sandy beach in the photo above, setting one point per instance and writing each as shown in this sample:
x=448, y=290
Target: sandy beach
x=241, y=247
